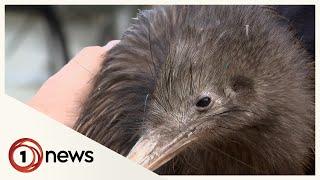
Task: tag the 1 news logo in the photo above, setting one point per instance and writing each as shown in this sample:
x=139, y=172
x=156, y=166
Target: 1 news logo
x=26, y=155
x=25, y=145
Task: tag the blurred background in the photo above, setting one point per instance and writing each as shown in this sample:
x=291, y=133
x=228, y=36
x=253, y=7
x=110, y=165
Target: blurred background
x=39, y=40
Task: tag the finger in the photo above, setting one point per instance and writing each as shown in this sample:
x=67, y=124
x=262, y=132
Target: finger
x=90, y=58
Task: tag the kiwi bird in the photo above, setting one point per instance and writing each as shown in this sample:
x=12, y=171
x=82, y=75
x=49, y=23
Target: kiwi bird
x=206, y=90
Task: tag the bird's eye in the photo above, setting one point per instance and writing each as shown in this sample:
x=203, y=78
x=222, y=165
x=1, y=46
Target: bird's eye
x=203, y=103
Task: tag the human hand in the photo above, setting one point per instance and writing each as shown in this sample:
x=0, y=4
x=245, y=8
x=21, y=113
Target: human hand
x=62, y=95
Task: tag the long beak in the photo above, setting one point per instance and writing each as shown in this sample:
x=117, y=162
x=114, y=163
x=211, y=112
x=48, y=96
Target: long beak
x=151, y=152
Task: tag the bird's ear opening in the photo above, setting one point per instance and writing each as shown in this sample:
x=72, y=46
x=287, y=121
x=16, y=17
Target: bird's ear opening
x=242, y=84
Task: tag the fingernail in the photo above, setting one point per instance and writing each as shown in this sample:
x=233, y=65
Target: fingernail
x=110, y=44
